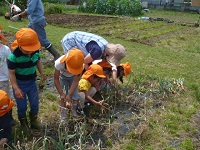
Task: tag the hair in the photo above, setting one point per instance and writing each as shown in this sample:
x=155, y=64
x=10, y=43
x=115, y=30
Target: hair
x=119, y=70
x=95, y=76
x=108, y=72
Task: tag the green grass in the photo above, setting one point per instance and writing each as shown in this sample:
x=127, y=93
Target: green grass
x=177, y=56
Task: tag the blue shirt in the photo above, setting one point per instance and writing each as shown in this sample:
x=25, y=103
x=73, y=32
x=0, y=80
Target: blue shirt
x=35, y=10
x=87, y=42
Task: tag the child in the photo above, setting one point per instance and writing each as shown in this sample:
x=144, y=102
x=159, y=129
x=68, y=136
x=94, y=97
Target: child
x=68, y=68
x=22, y=64
x=122, y=70
x=86, y=85
x=4, y=77
x=6, y=105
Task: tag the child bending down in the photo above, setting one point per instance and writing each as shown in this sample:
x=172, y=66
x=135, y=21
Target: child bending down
x=124, y=69
x=86, y=85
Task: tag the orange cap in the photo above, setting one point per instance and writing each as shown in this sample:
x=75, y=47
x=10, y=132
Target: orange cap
x=74, y=60
x=127, y=68
x=6, y=103
x=94, y=69
x=104, y=64
x=27, y=38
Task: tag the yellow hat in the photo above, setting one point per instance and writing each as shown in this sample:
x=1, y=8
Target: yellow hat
x=27, y=39
x=94, y=69
x=127, y=68
x=6, y=103
x=74, y=60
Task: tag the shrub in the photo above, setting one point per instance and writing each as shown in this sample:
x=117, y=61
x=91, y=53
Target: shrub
x=111, y=7
x=51, y=8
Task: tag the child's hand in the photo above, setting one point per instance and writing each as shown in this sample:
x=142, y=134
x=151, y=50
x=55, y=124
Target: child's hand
x=68, y=98
x=42, y=81
x=44, y=77
x=63, y=97
x=98, y=103
x=19, y=94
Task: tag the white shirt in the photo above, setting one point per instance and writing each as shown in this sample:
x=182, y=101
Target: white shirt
x=62, y=67
x=113, y=66
x=4, y=53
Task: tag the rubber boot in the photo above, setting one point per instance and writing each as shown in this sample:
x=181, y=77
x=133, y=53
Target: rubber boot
x=74, y=110
x=54, y=52
x=24, y=124
x=33, y=121
x=63, y=114
x=12, y=121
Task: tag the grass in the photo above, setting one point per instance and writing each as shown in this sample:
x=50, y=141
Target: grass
x=174, y=56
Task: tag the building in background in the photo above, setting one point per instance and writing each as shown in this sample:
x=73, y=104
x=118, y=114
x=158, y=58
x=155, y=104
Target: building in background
x=195, y=3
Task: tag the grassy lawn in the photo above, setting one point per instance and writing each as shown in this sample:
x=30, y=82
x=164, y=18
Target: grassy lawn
x=160, y=50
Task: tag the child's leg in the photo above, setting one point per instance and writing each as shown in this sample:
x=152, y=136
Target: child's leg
x=81, y=100
x=75, y=101
x=34, y=104
x=4, y=85
x=63, y=110
x=22, y=106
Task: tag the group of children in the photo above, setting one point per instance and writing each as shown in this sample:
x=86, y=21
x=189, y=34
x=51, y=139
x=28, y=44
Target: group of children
x=77, y=77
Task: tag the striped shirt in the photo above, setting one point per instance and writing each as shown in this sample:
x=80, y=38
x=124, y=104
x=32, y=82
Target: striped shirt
x=87, y=42
x=25, y=66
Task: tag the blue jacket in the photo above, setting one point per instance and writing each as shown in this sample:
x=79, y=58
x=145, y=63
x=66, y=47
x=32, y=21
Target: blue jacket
x=35, y=10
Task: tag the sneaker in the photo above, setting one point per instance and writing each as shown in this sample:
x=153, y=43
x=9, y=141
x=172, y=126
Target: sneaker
x=80, y=111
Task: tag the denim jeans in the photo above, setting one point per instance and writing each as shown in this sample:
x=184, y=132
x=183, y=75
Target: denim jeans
x=30, y=91
x=38, y=27
x=66, y=83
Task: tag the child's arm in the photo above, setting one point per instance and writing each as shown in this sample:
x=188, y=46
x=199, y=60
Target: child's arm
x=73, y=87
x=58, y=86
x=87, y=60
x=3, y=141
x=40, y=69
x=18, y=91
x=89, y=98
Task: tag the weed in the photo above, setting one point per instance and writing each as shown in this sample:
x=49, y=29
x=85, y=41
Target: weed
x=187, y=145
x=50, y=96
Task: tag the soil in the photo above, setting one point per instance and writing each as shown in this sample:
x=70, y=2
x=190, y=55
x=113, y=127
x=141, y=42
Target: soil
x=122, y=115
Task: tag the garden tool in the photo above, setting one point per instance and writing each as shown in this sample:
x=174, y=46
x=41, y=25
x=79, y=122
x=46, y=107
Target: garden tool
x=14, y=10
x=33, y=121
